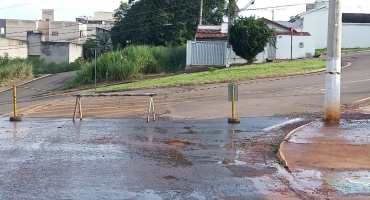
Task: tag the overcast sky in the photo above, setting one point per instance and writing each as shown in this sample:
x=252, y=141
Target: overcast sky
x=68, y=10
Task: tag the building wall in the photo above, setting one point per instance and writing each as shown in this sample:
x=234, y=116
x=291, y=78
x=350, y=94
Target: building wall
x=316, y=23
x=104, y=15
x=51, y=51
x=75, y=52
x=91, y=29
x=67, y=32
x=17, y=29
x=355, y=35
x=277, y=28
x=14, y=48
x=283, y=45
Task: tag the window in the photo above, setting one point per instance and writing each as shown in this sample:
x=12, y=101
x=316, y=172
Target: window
x=47, y=20
x=54, y=33
x=301, y=45
x=2, y=31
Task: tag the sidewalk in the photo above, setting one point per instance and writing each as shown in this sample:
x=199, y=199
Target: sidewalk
x=334, y=147
x=340, y=154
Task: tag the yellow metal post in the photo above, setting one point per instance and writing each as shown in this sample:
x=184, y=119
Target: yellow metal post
x=15, y=118
x=15, y=100
x=233, y=102
x=233, y=119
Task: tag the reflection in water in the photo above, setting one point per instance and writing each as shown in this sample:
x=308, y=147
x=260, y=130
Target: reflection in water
x=178, y=158
x=77, y=126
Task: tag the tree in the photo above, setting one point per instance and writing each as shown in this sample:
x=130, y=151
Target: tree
x=164, y=22
x=249, y=36
x=100, y=41
x=120, y=12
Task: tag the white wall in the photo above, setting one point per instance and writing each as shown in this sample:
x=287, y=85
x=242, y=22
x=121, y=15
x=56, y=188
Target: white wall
x=283, y=45
x=316, y=23
x=14, y=48
x=75, y=51
x=277, y=28
x=353, y=35
x=356, y=35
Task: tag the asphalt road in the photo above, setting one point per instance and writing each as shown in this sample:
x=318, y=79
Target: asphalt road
x=24, y=96
x=264, y=97
x=129, y=159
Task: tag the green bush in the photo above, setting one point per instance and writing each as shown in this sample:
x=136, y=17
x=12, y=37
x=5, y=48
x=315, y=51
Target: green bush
x=40, y=66
x=11, y=69
x=136, y=61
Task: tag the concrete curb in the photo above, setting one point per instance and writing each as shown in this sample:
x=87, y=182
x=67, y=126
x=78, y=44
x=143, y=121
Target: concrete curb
x=35, y=79
x=281, y=158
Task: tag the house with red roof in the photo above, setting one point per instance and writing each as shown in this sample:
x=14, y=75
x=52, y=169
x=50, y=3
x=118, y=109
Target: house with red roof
x=211, y=40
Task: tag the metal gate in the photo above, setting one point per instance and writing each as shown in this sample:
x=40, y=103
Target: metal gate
x=206, y=53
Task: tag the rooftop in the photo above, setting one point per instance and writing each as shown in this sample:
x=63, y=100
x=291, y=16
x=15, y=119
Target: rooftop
x=210, y=34
x=356, y=17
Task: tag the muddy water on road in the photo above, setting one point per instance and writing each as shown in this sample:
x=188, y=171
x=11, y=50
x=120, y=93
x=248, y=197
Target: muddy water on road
x=131, y=159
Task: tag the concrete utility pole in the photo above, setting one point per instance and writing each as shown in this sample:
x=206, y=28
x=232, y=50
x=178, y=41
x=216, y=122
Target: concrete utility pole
x=201, y=13
x=333, y=63
x=229, y=23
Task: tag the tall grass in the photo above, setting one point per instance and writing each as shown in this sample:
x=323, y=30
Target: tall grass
x=40, y=66
x=136, y=61
x=11, y=69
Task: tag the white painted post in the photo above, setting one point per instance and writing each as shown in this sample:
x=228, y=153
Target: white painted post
x=333, y=63
x=201, y=13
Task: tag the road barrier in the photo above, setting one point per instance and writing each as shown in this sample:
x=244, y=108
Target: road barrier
x=78, y=105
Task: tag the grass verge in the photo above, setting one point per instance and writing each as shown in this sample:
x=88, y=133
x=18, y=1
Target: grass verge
x=344, y=50
x=222, y=75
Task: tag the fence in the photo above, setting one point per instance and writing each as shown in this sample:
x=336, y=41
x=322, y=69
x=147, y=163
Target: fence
x=206, y=53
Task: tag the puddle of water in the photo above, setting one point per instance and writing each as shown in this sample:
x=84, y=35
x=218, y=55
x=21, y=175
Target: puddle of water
x=351, y=182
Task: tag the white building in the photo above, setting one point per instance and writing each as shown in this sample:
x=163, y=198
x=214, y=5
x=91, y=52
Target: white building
x=54, y=31
x=100, y=20
x=210, y=43
x=355, y=31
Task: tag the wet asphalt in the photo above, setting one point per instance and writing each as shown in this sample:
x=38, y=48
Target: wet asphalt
x=129, y=159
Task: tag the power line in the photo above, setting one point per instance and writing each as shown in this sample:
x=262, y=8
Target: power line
x=290, y=5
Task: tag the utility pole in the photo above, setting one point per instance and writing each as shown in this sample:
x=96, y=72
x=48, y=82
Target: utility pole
x=273, y=15
x=201, y=13
x=229, y=22
x=333, y=63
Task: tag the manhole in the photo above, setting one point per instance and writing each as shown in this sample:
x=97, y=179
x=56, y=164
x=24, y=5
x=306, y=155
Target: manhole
x=177, y=143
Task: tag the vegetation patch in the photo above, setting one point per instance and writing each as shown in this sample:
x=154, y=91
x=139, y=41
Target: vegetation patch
x=223, y=75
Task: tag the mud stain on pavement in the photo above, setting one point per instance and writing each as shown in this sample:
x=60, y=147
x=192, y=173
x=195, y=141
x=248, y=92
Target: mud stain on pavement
x=108, y=141
x=189, y=130
x=177, y=143
x=247, y=171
